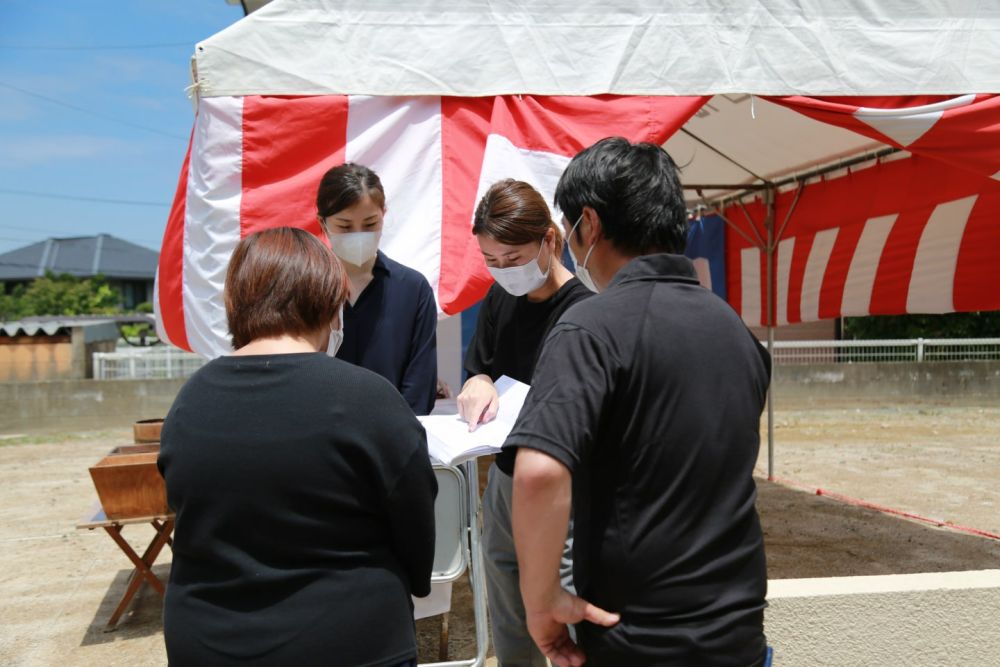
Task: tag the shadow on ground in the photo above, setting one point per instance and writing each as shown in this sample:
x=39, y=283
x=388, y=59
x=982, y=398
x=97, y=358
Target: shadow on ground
x=142, y=618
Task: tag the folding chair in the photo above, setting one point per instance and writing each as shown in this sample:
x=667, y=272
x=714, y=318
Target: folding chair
x=457, y=546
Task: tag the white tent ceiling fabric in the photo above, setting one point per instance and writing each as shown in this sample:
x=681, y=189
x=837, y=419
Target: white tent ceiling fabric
x=588, y=47
x=742, y=140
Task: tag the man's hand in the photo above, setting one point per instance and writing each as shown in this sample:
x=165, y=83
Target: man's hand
x=548, y=627
x=479, y=402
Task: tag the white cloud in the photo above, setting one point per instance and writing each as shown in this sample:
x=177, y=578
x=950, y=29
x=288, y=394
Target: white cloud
x=32, y=151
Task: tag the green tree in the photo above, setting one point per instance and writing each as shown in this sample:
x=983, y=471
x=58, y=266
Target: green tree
x=985, y=324
x=61, y=295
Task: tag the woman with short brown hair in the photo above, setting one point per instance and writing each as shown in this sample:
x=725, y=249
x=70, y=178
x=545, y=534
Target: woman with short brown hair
x=302, y=485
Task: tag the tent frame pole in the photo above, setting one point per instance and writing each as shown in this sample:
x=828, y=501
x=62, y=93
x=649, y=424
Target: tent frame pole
x=769, y=201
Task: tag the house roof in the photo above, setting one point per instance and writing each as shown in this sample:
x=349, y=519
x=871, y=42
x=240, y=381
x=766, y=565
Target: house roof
x=97, y=327
x=81, y=256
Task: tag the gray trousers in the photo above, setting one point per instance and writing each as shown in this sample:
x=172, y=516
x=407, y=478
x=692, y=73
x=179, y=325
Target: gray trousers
x=511, y=641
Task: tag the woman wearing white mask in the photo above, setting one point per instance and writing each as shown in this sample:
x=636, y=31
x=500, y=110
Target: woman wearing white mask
x=523, y=249
x=390, y=319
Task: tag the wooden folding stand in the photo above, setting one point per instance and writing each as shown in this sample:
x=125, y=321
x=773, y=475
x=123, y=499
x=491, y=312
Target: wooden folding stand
x=163, y=524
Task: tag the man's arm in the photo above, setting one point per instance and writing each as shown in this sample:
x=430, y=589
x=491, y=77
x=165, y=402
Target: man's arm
x=541, y=507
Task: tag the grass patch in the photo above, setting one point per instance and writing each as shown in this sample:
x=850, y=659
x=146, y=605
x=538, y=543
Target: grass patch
x=124, y=435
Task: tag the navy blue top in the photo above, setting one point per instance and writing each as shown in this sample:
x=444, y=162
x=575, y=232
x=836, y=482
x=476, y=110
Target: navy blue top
x=392, y=330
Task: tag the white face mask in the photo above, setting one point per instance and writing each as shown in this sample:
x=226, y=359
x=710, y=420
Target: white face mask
x=519, y=280
x=336, y=335
x=581, y=269
x=355, y=248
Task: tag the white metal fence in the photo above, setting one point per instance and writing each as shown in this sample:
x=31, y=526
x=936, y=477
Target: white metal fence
x=146, y=363
x=872, y=351
x=170, y=362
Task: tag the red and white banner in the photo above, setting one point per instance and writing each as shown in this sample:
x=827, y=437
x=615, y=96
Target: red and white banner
x=255, y=162
x=962, y=131
x=905, y=236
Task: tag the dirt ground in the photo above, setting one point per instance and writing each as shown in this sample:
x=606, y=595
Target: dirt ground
x=939, y=460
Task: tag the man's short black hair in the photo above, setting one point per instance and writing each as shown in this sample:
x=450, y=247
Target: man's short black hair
x=635, y=190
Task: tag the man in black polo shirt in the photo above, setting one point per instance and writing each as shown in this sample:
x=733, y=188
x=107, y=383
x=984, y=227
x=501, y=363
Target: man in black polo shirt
x=645, y=410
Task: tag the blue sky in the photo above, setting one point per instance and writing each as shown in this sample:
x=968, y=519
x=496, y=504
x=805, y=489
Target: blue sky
x=123, y=65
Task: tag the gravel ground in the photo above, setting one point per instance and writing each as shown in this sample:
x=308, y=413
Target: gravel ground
x=941, y=461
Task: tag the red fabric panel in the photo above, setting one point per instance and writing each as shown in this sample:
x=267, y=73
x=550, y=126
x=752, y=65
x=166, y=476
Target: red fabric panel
x=832, y=293
x=170, y=273
x=567, y=125
x=977, y=276
x=735, y=243
x=892, y=280
x=966, y=136
x=464, y=127
x=288, y=144
x=559, y=125
x=800, y=256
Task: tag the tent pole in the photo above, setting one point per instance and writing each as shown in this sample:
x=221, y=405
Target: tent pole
x=729, y=222
x=769, y=200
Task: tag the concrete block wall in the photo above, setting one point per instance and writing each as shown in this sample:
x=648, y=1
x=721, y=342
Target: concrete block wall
x=95, y=404
x=907, y=620
x=816, y=384
x=82, y=405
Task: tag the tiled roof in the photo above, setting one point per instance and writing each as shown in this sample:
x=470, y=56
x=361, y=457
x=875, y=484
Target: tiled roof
x=83, y=256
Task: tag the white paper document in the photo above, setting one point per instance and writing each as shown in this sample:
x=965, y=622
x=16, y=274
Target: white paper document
x=448, y=437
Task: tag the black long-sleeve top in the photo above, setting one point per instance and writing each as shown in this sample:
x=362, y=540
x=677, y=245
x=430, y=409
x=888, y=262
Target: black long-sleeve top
x=305, y=515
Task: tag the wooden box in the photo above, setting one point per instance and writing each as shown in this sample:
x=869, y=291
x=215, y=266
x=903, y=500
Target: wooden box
x=130, y=486
x=147, y=430
x=136, y=449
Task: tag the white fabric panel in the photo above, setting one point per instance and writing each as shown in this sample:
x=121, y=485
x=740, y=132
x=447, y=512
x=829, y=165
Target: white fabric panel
x=906, y=126
x=161, y=332
x=503, y=159
x=212, y=222
x=784, y=260
x=750, y=309
x=812, y=280
x=703, y=270
x=864, y=265
x=933, y=277
x=400, y=139
x=585, y=47
x=755, y=136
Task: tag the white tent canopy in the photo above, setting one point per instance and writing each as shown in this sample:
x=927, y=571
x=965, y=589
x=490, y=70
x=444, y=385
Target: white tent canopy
x=735, y=50
x=387, y=83
x=589, y=47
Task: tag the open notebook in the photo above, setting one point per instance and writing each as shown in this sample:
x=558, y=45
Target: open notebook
x=448, y=437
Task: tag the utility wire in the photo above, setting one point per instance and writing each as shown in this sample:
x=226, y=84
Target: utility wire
x=106, y=47
x=97, y=114
x=98, y=200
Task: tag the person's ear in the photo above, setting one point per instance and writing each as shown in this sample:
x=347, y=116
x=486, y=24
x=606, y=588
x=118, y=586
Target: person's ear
x=550, y=237
x=593, y=232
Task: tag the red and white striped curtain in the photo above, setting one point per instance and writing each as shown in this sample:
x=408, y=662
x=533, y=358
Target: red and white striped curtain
x=255, y=162
x=917, y=235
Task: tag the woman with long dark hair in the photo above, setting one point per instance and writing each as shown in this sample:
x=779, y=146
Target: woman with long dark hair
x=390, y=318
